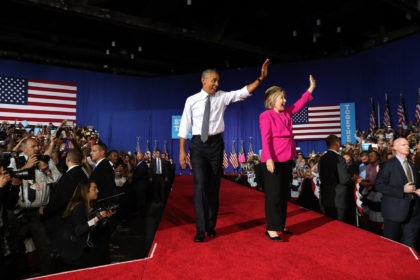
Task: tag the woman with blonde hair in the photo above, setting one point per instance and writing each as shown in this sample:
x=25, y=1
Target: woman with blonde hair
x=278, y=152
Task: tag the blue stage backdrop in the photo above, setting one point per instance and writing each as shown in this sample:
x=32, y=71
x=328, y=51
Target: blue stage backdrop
x=124, y=107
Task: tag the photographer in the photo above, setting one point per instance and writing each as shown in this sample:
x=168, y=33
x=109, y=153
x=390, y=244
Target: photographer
x=34, y=173
x=73, y=246
x=8, y=243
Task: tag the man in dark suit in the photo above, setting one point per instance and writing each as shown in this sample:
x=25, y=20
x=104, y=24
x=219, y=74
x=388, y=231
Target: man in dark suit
x=103, y=173
x=104, y=177
x=63, y=191
x=336, y=186
x=140, y=184
x=398, y=181
x=159, y=176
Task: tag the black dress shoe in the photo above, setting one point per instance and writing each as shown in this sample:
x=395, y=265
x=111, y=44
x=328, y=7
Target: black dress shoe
x=199, y=237
x=275, y=238
x=211, y=233
x=286, y=231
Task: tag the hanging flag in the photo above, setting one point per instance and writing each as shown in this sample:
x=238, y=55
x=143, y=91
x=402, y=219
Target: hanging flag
x=38, y=102
x=250, y=150
x=148, y=154
x=233, y=157
x=165, y=148
x=225, y=160
x=372, y=120
x=387, y=114
x=317, y=122
x=138, y=150
x=418, y=109
x=241, y=156
x=401, y=112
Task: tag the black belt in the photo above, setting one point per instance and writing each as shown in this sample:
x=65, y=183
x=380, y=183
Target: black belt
x=211, y=137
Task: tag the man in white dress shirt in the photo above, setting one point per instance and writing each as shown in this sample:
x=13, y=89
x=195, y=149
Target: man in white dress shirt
x=206, y=146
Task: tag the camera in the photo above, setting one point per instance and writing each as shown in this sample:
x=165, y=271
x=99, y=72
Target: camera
x=43, y=158
x=26, y=174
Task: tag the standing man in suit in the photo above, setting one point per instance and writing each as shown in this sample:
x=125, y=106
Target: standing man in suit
x=140, y=184
x=159, y=177
x=104, y=177
x=103, y=173
x=336, y=187
x=203, y=115
x=398, y=181
x=63, y=191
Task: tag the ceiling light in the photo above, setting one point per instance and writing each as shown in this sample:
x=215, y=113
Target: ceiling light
x=338, y=29
x=132, y=56
x=139, y=49
x=107, y=52
x=189, y=2
x=294, y=33
x=318, y=22
x=113, y=43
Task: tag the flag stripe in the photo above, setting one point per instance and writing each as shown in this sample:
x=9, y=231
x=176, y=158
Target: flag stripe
x=50, y=101
x=37, y=101
x=63, y=108
x=61, y=96
x=317, y=122
x=314, y=136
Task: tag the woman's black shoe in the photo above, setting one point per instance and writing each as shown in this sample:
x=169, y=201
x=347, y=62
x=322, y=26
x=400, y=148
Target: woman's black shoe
x=275, y=238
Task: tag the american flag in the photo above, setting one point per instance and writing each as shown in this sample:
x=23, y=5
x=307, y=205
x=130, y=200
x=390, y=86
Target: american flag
x=401, y=112
x=387, y=114
x=233, y=157
x=317, y=122
x=250, y=150
x=418, y=108
x=225, y=160
x=38, y=102
x=372, y=119
x=241, y=156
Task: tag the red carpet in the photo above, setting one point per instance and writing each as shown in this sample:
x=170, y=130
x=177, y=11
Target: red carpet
x=320, y=248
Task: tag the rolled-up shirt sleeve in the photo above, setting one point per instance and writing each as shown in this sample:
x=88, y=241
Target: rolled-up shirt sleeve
x=186, y=121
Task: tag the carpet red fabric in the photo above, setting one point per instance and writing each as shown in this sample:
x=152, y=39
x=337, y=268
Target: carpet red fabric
x=320, y=248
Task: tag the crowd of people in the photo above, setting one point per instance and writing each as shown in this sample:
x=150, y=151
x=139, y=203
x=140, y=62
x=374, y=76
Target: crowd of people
x=63, y=194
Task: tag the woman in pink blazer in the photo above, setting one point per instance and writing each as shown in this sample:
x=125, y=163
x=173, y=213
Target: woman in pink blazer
x=278, y=152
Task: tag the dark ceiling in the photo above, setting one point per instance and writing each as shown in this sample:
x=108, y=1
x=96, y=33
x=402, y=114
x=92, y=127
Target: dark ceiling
x=156, y=38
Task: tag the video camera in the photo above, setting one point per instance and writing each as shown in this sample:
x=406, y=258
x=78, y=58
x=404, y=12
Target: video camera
x=26, y=174
x=109, y=204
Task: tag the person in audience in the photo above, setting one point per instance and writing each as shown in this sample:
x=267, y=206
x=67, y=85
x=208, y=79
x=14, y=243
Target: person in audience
x=159, y=174
x=64, y=190
x=370, y=197
x=35, y=193
x=73, y=246
x=104, y=177
x=364, y=161
x=398, y=181
x=278, y=152
x=336, y=188
x=140, y=185
x=206, y=146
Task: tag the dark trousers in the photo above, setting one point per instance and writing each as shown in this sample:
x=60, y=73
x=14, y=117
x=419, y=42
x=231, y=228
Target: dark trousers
x=406, y=232
x=206, y=161
x=277, y=194
x=40, y=236
x=159, y=188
